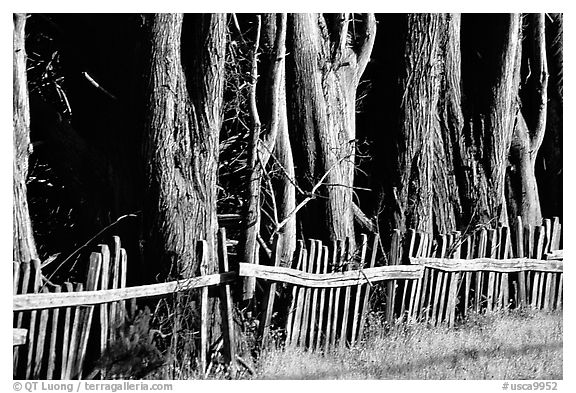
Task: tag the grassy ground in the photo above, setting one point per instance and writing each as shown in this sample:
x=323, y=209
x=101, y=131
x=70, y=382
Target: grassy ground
x=516, y=345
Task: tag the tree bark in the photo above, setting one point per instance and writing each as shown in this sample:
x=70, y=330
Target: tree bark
x=523, y=198
x=24, y=247
x=184, y=95
x=501, y=118
x=423, y=164
x=326, y=65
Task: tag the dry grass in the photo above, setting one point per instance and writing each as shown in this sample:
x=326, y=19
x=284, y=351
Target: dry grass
x=516, y=345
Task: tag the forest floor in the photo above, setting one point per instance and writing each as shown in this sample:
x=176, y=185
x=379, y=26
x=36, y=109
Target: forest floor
x=514, y=345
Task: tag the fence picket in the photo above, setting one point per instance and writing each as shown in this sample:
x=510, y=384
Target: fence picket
x=36, y=274
x=73, y=346
x=329, y=317
x=365, y=301
x=55, y=314
x=538, y=251
x=492, y=250
x=293, y=301
x=324, y=270
x=305, y=327
x=202, y=250
x=395, y=258
x=314, y=309
x=347, y=295
x=226, y=298
x=454, y=279
x=91, y=285
x=356, y=312
x=300, y=305
x=522, y=295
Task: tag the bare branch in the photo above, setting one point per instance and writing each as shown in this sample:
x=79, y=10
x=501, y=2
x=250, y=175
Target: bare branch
x=362, y=220
x=344, y=21
x=368, y=34
x=310, y=196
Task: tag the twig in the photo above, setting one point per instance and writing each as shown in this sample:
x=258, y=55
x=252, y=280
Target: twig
x=310, y=196
x=91, y=240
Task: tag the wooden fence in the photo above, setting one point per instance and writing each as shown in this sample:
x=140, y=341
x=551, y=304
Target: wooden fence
x=329, y=288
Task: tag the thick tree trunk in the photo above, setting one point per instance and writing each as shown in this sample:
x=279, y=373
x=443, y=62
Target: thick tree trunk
x=422, y=160
x=327, y=63
x=501, y=118
x=185, y=88
x=24, y=248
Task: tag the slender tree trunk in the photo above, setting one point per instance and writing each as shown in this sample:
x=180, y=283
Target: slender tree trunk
x=327, y=63
x=523, y=198
x=24, y=247
x=185, y=87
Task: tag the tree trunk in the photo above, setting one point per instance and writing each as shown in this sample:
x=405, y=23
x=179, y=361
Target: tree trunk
x=185, y=88
x=503, y=109
x=419, y=143
x=24, y=247
x=326, y=65
x=523, y=198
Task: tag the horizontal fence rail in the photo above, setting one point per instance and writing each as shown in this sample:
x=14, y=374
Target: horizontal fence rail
x=331, y=280
x=511, y=265
x=85, y=298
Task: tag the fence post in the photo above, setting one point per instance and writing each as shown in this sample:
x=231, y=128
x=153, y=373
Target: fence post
x=395, y=256
x=202, y=251
x=270, y=292
x=365, y=302
x=227, y=307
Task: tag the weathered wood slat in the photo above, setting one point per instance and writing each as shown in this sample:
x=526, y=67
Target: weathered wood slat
x=105, y=252
x=356, y=312
x=270, y=292
x=202, y=249
x=468, y=275
x=73, y=346
x=365, y=302
x=347, y=295
x=19, y=336
x=488, y=264
x=35, y=274
x=439, y=282
x=339, y=255
x=480, y=253
x=331, y=280
x=55, y=314
x=40, y=301
x=226, y=300
x=324, y=269
x=538, y=253
x=411, y=250
x=294, y=300
x=521, y=300
x=40, y=341
x=297, y=327
x=492, y=250
x=395, y=257
x=66, y=333
x=114, y=274
x=315, y=310
x=305, y=327
x=454, y=280
x=331, y=293
x=94, y=271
